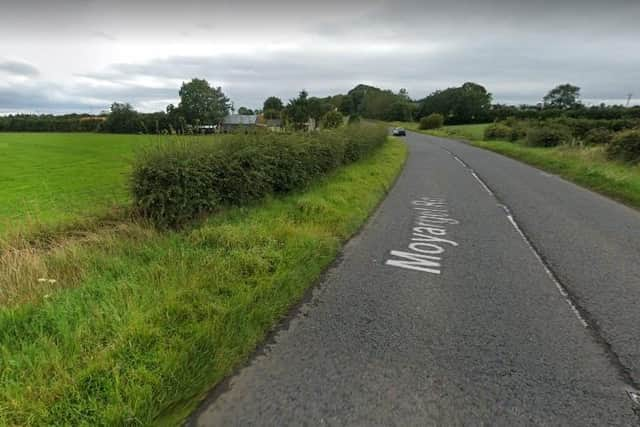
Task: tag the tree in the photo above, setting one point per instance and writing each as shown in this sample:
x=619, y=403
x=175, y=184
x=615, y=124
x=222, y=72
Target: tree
x=202, y=103
x=122, y=119
x=399, y=111
x=245, y=111
x=272, y=107
x=318, y=108
x=469, y=103
x=564, y=96
x=273, y=103
x=332, y=120
x=346, y=106
x=298, y=110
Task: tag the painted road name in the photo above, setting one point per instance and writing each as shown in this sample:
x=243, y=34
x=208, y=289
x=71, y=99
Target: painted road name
x=428, y=239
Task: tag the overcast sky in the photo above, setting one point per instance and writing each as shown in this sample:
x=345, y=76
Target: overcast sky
x=81, y=55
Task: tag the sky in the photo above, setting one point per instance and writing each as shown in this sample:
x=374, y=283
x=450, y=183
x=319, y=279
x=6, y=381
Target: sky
x=60, y=56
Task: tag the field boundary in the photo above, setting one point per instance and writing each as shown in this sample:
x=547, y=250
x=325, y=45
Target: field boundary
x=295, y=311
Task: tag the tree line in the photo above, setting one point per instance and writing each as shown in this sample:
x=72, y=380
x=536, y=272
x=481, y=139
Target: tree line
x=202, y=104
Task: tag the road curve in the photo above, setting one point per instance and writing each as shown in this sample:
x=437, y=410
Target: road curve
x=482, y=291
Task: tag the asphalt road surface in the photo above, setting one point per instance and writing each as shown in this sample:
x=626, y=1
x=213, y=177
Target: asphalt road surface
x=482, y=291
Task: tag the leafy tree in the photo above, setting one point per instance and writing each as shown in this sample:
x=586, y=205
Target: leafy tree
x=122, y=119
x=272, y=108
x=245, y=111
x=332, y=120
x=469, y=103
x=347, y=106
x=404, y=94
x=374, y=103
x=273, y=103
x=297, y=110
x=399, y=111
x=318, y=108
x=564, y=96
x=202, y=103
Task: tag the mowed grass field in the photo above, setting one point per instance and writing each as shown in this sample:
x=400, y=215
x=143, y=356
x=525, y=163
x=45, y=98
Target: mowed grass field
x=50, y=177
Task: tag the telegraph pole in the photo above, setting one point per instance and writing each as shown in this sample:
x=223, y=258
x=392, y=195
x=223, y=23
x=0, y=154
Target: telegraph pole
x=629, y=98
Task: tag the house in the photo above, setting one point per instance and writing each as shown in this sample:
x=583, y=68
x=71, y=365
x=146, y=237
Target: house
x=236, y=122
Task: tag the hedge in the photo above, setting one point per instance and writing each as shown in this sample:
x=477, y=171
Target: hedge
x=625, y=146
x=432, y=121
x=548, y=136
x=174, y=183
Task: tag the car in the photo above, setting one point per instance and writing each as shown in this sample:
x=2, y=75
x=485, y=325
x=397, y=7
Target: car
x=399, y=132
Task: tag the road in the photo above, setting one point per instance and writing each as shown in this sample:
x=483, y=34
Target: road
x=482, y=291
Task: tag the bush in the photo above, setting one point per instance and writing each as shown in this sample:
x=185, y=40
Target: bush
x=548, y=136
x=519, y=131
x=625, y=146
x=332, y=120
x=598, y=136
x=432, y=121
x=497, y=131
x=174, y=183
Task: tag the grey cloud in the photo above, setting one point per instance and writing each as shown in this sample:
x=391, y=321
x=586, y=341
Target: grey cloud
x=518, y=49
x=19, y=68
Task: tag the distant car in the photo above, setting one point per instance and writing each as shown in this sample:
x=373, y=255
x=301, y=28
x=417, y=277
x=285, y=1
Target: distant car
x=399, y=132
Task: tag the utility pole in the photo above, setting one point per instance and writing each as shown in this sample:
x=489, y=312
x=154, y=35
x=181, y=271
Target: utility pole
x=629, y=98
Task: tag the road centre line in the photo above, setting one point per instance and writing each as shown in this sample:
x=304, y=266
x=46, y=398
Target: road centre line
x=563, y=291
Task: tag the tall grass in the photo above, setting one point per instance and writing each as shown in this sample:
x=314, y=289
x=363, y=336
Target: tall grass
x=140, y=323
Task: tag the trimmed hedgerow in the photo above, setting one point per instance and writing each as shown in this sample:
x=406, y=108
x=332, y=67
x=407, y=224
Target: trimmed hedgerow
x=432, y=121
x=548, y=136
x=178, y=182
x=497, y=131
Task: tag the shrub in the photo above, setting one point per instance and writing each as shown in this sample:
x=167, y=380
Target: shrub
x=332, y=120
x=432, y=121
x=174, y=183
x=548, y=136
x=497, y=131
x=598, y=136
x=625, y=146
x=519, y=131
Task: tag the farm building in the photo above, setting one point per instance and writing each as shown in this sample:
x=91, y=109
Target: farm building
x=234, y=122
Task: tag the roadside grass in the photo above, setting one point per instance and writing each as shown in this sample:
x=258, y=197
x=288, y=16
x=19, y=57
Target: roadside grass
x=139, y=324
x=49, y=178
x=586, y=166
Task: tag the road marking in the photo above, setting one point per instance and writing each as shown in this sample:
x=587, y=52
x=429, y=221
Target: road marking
x=475, y=175
x=428, y=241
x=563, y=291
x=552, y=276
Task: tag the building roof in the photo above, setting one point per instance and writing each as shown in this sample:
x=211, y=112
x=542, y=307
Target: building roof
x=240, y=119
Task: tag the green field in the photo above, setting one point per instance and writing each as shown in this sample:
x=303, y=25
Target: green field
x=48, y=177
x=133, y=324
x=586, y=166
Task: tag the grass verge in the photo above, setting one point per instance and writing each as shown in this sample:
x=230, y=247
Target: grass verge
x=149, y=321
x=586, y=166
